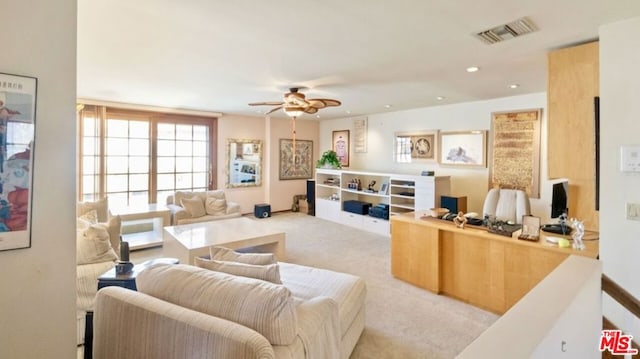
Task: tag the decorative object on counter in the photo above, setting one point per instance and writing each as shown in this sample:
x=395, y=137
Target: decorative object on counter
x=438, y=212
x=460, y=220
x=329, y=159
x=578, y=233
x=123, y=266
x=530, y=228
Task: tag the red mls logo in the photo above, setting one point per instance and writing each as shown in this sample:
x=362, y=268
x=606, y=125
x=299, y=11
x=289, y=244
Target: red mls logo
x=616, y=342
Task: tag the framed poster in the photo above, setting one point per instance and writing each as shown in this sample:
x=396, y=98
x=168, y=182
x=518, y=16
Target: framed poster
x=411, y=146
x=360, y=135
x=464, y=148
x=296, y=164
x=341, y=146
x=515, y=151
x=17, y=130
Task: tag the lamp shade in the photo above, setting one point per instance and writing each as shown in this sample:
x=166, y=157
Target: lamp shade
x=293, y=111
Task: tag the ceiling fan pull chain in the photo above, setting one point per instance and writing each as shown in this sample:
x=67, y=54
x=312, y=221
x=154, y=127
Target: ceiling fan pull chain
x=293, y=125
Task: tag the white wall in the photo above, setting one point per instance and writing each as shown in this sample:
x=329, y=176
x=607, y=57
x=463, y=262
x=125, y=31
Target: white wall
x=620, y=125
x=37, y=285
x=472, y=183
x=278, y=193
x=565, y=307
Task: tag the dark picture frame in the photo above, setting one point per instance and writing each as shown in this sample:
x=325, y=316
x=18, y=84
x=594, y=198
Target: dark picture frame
x=340, y=141
x=296, y=160
x=17, y=145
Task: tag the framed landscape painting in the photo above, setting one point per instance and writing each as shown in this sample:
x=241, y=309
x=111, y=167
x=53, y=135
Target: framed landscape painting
x=296, y=161
x=17, y=130
x=464, y=148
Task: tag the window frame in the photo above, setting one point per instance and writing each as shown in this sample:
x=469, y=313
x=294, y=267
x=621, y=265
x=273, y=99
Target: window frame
x=102, y=113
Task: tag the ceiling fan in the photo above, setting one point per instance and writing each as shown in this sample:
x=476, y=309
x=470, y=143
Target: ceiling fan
x=294, y=103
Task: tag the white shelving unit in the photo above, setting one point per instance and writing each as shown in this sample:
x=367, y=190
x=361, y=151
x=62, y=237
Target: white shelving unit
x=404, y=193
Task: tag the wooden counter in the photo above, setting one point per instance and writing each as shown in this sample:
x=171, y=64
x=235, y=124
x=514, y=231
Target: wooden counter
x=487, y=270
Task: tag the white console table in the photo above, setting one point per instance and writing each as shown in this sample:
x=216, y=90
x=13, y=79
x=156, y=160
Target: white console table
x=157, y=214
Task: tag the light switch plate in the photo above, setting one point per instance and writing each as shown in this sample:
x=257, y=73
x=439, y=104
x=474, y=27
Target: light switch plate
x=633, y=211
x=630, y=158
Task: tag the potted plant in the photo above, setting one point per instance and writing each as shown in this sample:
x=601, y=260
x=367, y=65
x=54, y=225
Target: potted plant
x=329, y=159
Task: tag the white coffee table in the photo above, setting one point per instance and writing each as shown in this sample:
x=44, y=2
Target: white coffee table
x=188, y=241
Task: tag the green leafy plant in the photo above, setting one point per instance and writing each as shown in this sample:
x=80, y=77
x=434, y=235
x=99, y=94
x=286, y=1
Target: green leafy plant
x=329, y=158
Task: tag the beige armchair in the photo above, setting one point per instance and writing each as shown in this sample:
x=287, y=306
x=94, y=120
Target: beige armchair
x=507, y=204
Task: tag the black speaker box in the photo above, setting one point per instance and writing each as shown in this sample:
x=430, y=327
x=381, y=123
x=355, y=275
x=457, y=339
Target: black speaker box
x=262, y=210
x=311, y=197
x=454, y=204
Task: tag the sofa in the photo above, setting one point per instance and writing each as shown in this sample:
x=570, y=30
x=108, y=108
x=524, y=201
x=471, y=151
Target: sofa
x=187, y=312
x=97, y=250
x=193, y=207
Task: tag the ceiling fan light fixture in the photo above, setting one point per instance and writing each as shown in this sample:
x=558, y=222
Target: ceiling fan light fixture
x=293, y=111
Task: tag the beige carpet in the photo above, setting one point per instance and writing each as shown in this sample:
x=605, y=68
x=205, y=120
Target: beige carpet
x=402, y=321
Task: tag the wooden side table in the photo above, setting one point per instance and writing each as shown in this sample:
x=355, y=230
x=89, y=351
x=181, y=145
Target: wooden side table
x=126, y=280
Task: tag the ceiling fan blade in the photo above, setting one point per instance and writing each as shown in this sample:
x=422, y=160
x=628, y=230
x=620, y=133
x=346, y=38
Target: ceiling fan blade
x=274, y=110
x=310, y=110
x=324, y=102
x=270, y=103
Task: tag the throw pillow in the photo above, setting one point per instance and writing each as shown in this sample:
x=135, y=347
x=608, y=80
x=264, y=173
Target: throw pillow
x=101, y=207
x=195, y=206
x=229, y=255
x=215, y=207
x=269, y=272
x=93, y=246
x=87, y=219
x=113, y=227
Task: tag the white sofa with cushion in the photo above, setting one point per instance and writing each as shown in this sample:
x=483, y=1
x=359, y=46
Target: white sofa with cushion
x=184, y=311
x=193, y=207
x=97, y=249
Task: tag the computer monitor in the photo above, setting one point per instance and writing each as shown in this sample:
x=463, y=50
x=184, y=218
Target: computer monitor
x=560, y=199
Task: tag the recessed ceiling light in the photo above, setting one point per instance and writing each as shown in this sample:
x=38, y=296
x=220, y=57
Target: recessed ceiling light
x=473, y=69
x=514, y=86
x=317, y=116
x=387, y=106
x=440, y=98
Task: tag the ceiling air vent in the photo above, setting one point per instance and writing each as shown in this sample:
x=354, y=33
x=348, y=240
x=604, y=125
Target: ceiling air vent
x=507, y=31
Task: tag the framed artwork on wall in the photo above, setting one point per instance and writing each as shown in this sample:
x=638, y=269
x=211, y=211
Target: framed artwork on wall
x=413, y=146
x=463, y=148
x=360, y=135
x=296, y=161
x=17, y=131
x=515, y=151
x=341, y=146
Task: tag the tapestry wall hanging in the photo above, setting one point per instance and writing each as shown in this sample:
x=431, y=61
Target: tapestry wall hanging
x=515, y=151
x=17, y=129
x=296, y=165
